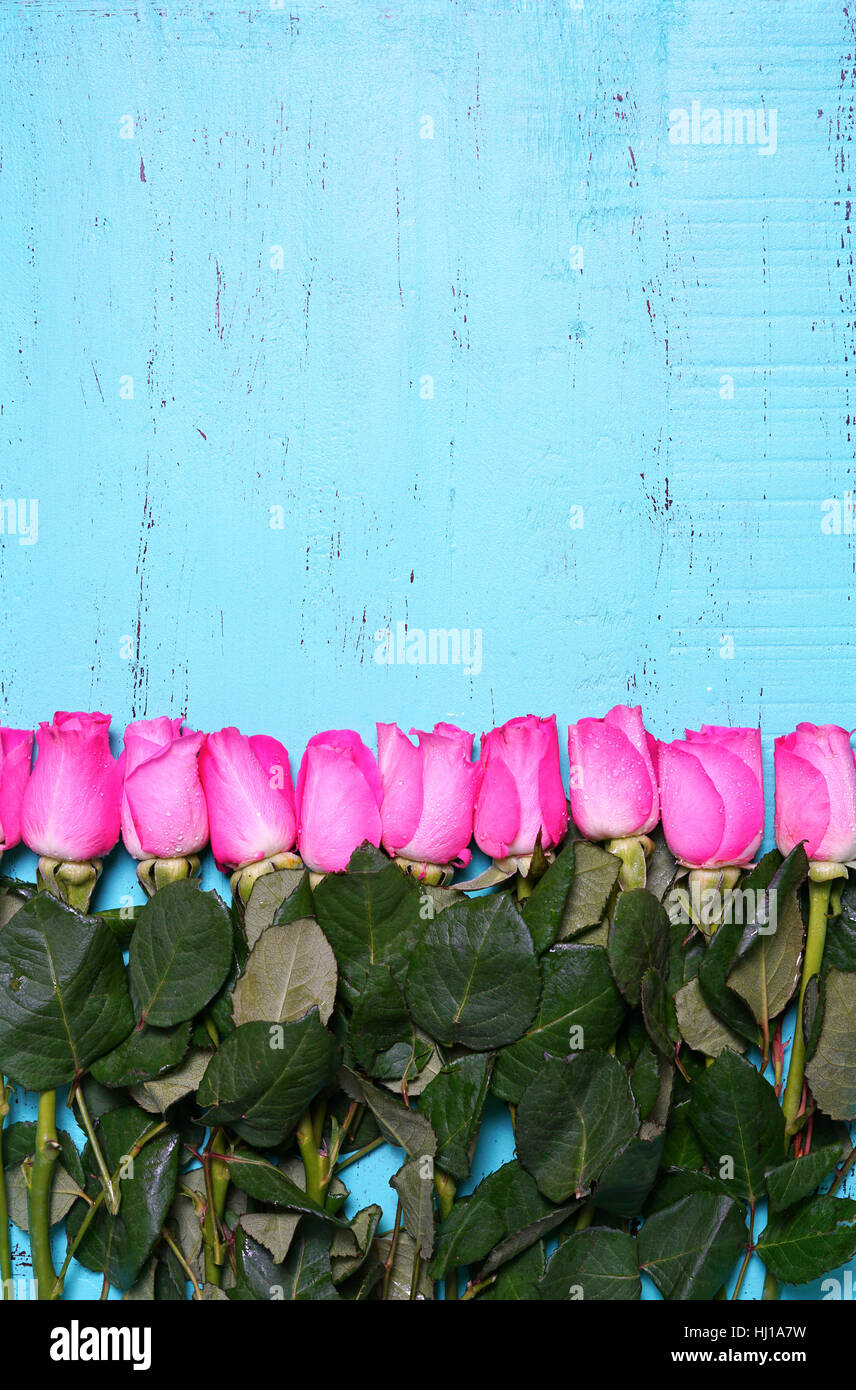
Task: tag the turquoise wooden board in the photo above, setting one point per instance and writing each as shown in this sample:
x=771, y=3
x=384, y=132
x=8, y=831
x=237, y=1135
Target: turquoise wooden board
x=323, y=318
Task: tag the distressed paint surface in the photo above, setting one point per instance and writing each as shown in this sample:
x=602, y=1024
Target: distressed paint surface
x=279, y=259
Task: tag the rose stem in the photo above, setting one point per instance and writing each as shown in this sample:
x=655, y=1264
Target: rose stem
x=818, y=902
x=390, y=1259
x=136, y=1149
x=86, y=1122
x=445, y=1200
x=216, y=1187
x=750, y=1246
x=312, y=1161
x=42, y=1169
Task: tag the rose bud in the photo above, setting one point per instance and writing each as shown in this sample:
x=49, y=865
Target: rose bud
x=712, y=796
x=164, y=815
x=338, y=800
x=428, y=797
x=816, y=792
x=614, y=794
x=70, y=812
x=163, y=805
x=16, y=748
x=250, y=796
x=613, y=781
x=815, y=800
x=520, y=793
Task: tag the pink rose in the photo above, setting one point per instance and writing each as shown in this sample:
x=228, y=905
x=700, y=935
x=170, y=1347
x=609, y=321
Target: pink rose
x=816, y=792
x=520, y=788
x=712, y=796
x=16, y=748
x=338, y=800
x=428, y=793
x=70, y=808
x=613, y=779
x=250, y=797
x=163, y=805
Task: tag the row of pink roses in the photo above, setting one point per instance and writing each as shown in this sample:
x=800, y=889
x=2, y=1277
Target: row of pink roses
x=172, y=789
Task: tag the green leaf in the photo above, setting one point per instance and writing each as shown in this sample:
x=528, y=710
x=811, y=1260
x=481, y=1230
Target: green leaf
x=267, y=1183
x=544, y=908
x=533, y=1231
x=831, y=1072
x=272, y=896
x=414, y=1183
x=143, y=1288
x=180, y=953
x=158, y=1094
x=686, y=953
x=263, y=1077
x=699, y=1026
x=806, y=1241
x=426, y=1063
x=453, y=1104
x=13, y=894
x=580, y=1008
x=595, y=876
x=505, y=1202
x=677, y=1183
x=144, y=1054
x=628, y=1179
x=362, y=1229
x=574, y=1117
x=645, y=1080
x=290, y=970
x=689, y=1249
x=272, y=1229
x=736, y=1115
x=662, y=866
x=400, y=1126
x=792, y=1181
x=370, y=916
x=119, y=1246
x=474, y=977
x=767, y=975
x=219, y=1009
x=381, y=1034
x=682, y=1149
x=594, y=1264
x=63, y=996
x=639, y=940
x=813, y=1011
x=170, y=1278
x=517, y=1281
x=402, y=1271
x=65, y=1189
x=414, y=1061
x=713, y=975
x=304, y=1276
x=19, y=1144
x=840, y=949
x=655, y=1011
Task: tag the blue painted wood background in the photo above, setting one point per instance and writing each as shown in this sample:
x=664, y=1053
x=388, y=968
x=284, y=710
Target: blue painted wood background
x=318, y=318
